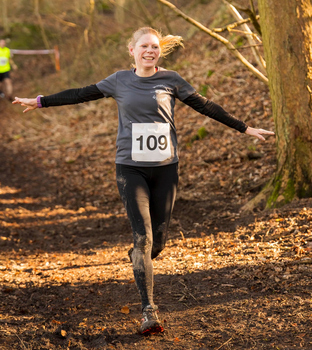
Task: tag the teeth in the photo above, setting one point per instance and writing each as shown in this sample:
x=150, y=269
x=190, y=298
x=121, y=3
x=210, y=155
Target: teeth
x=148, y=58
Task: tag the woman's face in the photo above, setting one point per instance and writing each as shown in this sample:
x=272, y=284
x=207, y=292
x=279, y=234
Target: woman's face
x=146, y=51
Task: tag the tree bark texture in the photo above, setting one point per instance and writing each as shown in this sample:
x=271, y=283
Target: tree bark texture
x=287, y=38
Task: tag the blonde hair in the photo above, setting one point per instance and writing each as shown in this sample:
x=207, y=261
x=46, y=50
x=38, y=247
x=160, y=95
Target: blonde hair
x=167, y=43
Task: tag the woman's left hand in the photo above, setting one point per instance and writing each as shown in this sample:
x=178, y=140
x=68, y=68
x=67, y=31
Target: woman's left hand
x=258, y=133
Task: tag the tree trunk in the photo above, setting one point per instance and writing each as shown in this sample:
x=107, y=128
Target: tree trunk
x=287, y=38
x=5, y=20
x=120, y=11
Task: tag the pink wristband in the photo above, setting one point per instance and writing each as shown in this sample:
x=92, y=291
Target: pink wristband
x=39, y=105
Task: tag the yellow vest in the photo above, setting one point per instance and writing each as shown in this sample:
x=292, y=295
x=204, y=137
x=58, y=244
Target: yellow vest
x=4, y=59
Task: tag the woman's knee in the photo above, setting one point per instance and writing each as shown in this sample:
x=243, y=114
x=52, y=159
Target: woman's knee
x=142, y=243
x=141, y=254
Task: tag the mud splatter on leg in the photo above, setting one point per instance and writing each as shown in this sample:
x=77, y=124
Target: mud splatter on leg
x=143, y=268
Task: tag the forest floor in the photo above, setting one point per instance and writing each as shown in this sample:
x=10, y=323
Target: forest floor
x=226, y=280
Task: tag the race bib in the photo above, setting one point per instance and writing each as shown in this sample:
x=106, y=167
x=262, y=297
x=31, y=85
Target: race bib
x=150, y=142
x=3, y=61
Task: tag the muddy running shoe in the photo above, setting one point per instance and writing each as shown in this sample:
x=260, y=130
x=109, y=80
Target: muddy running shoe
x=150, y=322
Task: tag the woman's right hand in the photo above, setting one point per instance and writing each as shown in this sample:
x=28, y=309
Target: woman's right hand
x=30, y=103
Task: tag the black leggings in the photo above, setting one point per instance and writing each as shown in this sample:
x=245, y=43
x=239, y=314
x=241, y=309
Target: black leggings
x=5, y=75
x=148, y=194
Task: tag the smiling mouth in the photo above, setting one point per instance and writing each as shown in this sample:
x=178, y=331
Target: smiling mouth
x=148, y=58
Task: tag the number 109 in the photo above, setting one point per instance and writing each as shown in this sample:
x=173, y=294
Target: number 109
x=152, y=142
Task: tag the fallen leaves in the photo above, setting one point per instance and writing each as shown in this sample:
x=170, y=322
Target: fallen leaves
x=65, y=235
x=125, y=310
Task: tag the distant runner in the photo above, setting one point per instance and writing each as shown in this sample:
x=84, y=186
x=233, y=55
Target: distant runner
x=5, y=67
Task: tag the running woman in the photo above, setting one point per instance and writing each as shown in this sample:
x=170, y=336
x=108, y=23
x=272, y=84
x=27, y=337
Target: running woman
x=146, y=157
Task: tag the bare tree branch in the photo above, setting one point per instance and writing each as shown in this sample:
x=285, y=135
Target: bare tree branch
x=246, y=33
x=252, y=6
x=250, y=13
x=41, y=25
x=66, y=23
x=250, y=37
x=218, y=37
x=231, y=26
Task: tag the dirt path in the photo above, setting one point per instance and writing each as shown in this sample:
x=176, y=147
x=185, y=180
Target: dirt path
x=226, y=280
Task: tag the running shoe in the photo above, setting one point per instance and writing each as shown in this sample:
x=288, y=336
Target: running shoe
x=2, y=95
x=150, y=322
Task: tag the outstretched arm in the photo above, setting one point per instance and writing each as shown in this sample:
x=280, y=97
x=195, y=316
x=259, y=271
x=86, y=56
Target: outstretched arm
x=214, y=111
x=67, y=97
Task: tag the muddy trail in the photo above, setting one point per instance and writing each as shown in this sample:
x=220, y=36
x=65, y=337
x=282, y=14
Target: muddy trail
x=226, y=280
